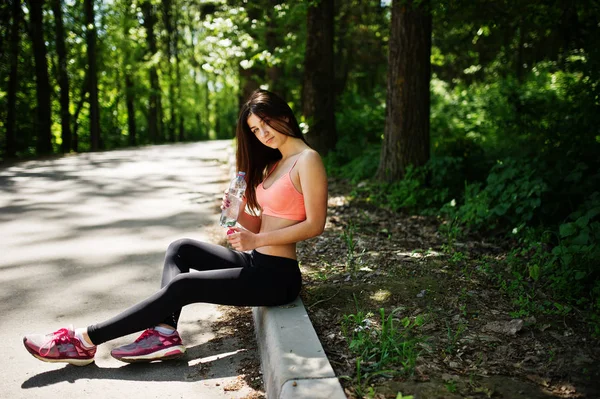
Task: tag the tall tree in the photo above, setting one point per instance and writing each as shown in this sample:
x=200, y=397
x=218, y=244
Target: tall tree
x=13, y=80
x=252, y=76
x=406, y=135
x=43, y=113
x=129, y=94
x=180, y=128
x=154, y=112
x=90, y=36
x=63, y=77
x=318, y=99
x=169, y=44
x=274, y=40
x=129, y=60
x=83, y=98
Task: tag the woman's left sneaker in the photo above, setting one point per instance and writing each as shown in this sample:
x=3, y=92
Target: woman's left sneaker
x=150, y=346
x=59, y=347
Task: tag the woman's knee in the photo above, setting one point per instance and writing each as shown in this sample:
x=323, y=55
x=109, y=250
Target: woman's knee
x=178, y=289
x=176, y=246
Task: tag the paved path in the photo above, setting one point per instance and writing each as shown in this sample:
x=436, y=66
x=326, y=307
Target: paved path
x=83, y=237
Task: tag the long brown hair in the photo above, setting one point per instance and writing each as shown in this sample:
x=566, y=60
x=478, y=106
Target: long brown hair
x=253, y=157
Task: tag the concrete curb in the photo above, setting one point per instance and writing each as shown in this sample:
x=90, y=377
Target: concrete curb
x=293, y=361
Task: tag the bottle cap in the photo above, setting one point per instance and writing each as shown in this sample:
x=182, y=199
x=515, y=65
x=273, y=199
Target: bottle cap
x=241, y=173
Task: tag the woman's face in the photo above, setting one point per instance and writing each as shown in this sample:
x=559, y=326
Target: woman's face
x=265, y=133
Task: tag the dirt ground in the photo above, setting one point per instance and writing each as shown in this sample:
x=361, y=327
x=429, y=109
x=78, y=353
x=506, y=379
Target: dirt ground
x=469, y=344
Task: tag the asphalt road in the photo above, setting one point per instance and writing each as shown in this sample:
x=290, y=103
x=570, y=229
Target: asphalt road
x=83, y=237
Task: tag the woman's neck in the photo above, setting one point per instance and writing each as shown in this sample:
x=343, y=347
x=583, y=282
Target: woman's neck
x=291, y=147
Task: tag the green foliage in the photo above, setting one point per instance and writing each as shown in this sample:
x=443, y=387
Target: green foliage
x=575, y=258
x=348, y=237
x=511, y=197
x=384, y=347
x=360, y=122
x=422, y=190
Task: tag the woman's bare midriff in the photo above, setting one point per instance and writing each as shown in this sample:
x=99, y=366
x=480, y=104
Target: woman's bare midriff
x=272, y=223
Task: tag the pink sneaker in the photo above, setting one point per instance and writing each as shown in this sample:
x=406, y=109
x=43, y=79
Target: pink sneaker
x=151, y=345
x=59, y=347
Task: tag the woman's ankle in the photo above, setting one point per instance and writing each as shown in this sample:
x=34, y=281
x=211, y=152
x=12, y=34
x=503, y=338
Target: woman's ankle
x=166, y=326
x=164, y=329
x=83, y=336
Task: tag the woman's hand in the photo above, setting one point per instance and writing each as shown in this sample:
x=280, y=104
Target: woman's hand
x=241, y=239
x=226, y=203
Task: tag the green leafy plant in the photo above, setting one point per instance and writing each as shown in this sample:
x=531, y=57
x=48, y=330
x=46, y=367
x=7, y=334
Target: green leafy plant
x=384, y=347
x=511, y=196
x=453, y=337
x=348, y=237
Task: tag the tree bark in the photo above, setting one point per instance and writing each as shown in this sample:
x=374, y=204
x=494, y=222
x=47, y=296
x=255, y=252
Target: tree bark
x=251, y=78
x=154, y=100
x=83, y=98
x=168, y=23
x=406, y=135
x=318, y=97
x=129, y=101
x=181, y=132
x=13, y=81
x=248, y=78
x=274, y=40
x=63, y=77
x=90, y=37
x=43, y=113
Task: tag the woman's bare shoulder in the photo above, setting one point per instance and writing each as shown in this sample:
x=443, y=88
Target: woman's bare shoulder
x=311, y=163
x=309, y=156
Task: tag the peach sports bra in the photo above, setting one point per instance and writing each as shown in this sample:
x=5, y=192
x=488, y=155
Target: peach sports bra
x=281, y=199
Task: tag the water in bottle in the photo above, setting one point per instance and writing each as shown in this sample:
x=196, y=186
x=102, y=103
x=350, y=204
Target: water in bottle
x=237, y=188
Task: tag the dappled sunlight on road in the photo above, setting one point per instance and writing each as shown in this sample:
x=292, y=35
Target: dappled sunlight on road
x=84, y=236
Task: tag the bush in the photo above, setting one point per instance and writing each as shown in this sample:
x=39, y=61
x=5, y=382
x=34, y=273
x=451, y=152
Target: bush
x=510, y=199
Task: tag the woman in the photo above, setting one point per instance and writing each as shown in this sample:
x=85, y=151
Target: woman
x=286, y=183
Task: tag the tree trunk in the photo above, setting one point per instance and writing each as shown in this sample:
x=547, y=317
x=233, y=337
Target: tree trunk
x=168, y=23
x=129, y=100
x=154, y=111
x=90, y=37
x=249, y=81
x=406, y=136
x=63, y=77
x=207, y=109
x=84, y=92
x=129, y=91
x=181, y=134
x=13, y=81
x=201, y=107
x=318, y=97
x=274, y=41
x=343, y=58
x=43, y=113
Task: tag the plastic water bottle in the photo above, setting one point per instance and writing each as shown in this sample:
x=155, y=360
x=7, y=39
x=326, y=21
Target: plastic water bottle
x=237, y=188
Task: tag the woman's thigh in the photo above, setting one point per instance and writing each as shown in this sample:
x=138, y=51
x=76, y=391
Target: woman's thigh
x=246, y=286
x=201, y=256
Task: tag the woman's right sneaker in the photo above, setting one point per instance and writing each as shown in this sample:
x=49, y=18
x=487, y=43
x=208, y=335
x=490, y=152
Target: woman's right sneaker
x=150, y=346
x=61, y=346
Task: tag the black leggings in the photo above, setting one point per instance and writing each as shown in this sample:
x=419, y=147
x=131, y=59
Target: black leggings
x=221, y=276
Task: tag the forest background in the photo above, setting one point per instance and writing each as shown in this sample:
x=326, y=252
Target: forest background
x=484, y=113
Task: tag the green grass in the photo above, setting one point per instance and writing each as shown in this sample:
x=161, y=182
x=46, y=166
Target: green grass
x=384, y=347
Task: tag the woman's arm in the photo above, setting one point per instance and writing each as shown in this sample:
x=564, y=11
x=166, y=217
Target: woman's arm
x=249, y=222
